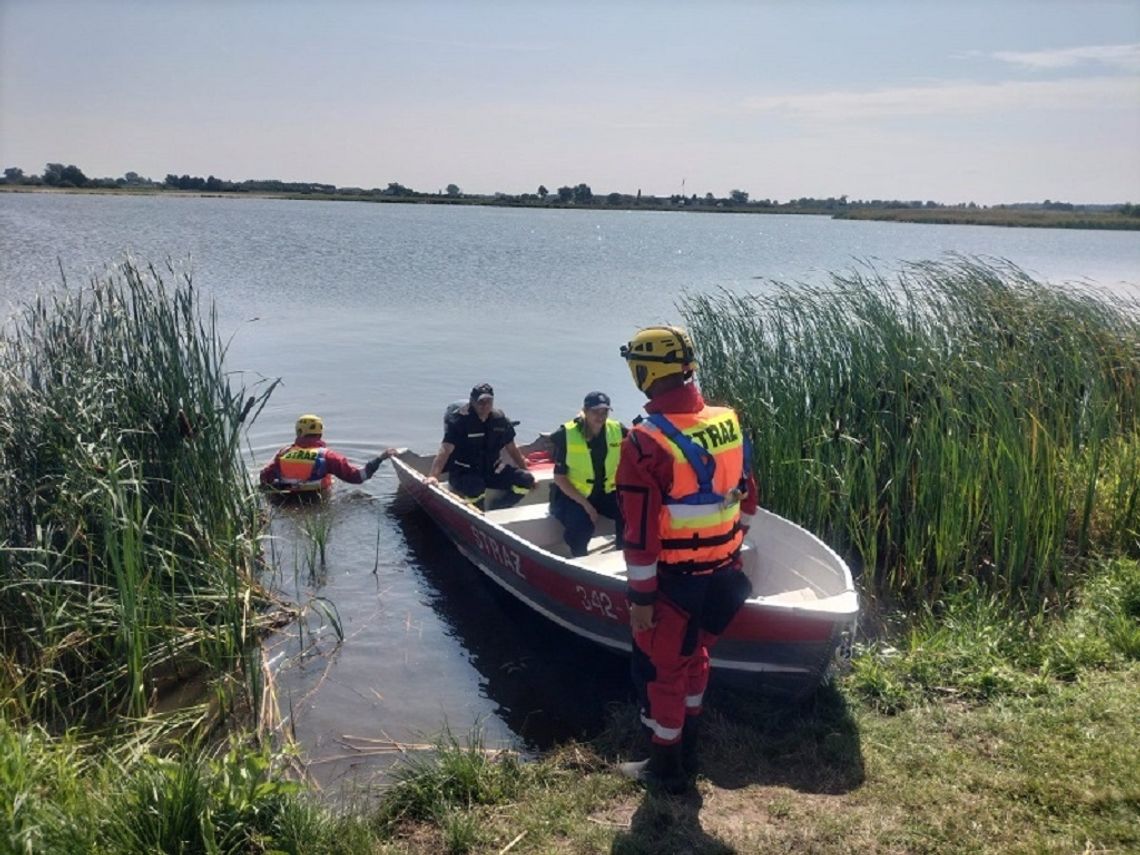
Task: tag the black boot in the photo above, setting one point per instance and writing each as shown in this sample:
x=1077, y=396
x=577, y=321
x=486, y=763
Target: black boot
x=662, y=770
x=690, y=761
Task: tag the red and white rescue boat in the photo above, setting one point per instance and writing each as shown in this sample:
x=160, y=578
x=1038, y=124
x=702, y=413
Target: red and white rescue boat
x=801, y=615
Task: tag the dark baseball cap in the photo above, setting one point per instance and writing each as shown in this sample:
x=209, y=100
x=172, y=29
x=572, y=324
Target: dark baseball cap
x=596, y=399
x=483, y=390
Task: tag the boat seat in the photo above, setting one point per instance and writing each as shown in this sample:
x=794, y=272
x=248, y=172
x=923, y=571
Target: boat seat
x=800, y=595
x=542, y=475
x=605, y=560
x=519, y=513
x=531, y=521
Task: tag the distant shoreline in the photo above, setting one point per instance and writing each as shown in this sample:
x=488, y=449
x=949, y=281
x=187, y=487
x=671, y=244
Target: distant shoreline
x=1004, y=216
x=999, y=216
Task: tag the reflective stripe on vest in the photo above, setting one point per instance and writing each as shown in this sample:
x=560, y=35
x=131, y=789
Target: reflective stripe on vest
x=579, y=463
x=699, y=535
x=303, y=469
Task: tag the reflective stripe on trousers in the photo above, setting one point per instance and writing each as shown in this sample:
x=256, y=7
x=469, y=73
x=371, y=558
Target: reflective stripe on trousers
x=671, y=684
x=670, y=661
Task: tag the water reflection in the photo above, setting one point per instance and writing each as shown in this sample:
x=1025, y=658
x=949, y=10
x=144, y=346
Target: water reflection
x=401, y=637
x=547, y=684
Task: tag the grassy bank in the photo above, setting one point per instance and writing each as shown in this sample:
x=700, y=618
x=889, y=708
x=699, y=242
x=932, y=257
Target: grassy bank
x=1035, y=763
x=998, y=216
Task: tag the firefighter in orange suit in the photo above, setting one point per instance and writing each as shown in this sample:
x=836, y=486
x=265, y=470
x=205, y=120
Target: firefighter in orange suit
x=306, y=468
x=687, y=498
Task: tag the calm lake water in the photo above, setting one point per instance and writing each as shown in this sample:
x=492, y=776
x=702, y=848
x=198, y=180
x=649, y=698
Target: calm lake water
x=376, y=316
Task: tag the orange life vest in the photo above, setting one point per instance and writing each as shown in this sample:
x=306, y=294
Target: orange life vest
x=700, y=526
x=303, y=469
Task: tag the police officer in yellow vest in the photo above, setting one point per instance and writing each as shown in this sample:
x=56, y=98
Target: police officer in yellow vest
x=586, y=451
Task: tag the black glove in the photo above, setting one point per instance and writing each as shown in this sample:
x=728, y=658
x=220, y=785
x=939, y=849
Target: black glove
x=371, y=466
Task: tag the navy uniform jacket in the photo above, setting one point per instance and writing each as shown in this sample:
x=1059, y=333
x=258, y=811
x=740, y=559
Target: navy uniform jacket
x=477, y=443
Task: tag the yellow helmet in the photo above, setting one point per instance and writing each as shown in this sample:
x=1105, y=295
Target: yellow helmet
x=657, y=352
x=310, y=425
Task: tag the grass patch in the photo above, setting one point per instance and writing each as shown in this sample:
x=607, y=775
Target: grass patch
x=65, y=795
x=453, y=777
x=975, y=647
x=1057, y=772
x=464, y=798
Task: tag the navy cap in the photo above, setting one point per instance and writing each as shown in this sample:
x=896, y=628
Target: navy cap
x=596, y=399
x=483, y=390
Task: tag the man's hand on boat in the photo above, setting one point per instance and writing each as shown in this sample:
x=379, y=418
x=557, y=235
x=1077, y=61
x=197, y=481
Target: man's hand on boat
x=641, y=617
x=372, y=465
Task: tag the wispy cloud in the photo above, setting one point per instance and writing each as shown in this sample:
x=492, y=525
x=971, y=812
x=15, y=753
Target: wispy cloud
x=955, y=99
x=1124, y=57
x=483, y=47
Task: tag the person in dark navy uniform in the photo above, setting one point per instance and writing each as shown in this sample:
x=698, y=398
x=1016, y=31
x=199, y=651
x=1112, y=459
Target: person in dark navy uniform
x=474, y=439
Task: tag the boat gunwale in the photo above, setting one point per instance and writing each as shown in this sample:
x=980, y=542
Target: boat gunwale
x=835, y=608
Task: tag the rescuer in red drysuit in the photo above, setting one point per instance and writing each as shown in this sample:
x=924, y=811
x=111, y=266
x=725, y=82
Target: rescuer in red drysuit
x=306, y=468
x=687, y=497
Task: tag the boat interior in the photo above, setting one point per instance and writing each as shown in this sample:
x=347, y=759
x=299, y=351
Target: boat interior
x=785, y=563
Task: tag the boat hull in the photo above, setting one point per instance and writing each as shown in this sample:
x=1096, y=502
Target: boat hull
x=770, y=643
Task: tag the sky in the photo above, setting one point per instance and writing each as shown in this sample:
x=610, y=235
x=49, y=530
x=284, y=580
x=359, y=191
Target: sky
x=952, y=101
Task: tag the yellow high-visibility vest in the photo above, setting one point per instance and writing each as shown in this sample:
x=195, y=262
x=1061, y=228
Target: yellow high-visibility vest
x=581, y=465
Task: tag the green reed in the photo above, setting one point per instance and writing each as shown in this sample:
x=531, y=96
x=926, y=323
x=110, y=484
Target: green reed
x=955, y=420
x=59, y=795
x=129, y=544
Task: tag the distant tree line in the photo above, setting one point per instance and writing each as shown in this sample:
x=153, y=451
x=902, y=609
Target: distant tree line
x=577, y=195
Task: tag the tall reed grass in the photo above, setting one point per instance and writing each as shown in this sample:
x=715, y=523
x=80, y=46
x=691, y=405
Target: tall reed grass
x=129, y=544
x=954, y=421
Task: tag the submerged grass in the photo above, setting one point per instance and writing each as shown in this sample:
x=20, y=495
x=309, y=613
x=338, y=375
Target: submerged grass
x=959, y=422
x=129, y=550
